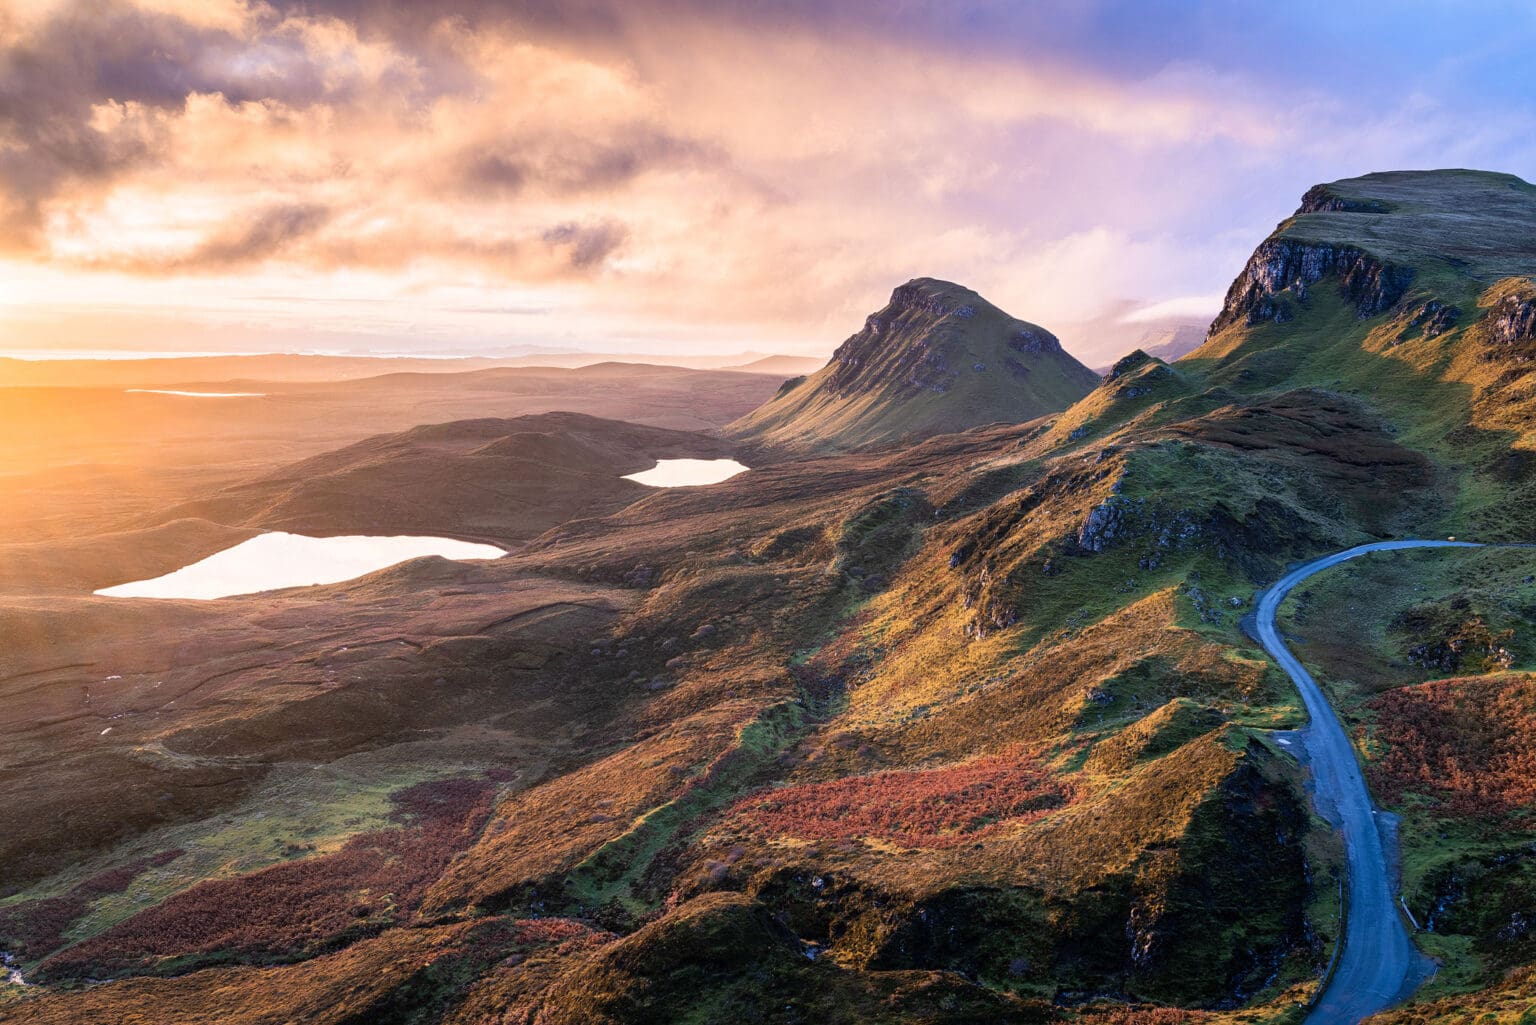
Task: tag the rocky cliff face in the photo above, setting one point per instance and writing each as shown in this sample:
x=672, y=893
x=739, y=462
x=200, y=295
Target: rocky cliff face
x=1324, y=199
x=1281, y=271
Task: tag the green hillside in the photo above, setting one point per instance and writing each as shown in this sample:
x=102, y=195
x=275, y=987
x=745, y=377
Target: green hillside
x=960, y=730
x=938, y=358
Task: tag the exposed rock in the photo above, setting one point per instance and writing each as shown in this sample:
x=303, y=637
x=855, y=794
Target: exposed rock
x=1512, y=321
x=1435, y=318
x=913, y=296
x=1322, y=199
x=1103, y=524
x=1451, y=639
x=1034, y=340
x=1282, y=270
x=1127, y=363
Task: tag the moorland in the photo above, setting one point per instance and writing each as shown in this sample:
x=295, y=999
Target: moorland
x=945, y=711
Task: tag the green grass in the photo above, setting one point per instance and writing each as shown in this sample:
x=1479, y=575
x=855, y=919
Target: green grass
x=298, y=811
x=1483, y=219
x=1459, y=968
x=1344, y=620
x=611, y=876
x=878, y=403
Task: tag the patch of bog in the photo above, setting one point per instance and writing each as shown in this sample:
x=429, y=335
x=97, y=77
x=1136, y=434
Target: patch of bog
x=275, y=560
x=687, y=473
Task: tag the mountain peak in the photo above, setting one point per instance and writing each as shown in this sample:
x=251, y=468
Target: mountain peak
x=936, y=358
x=1382, y=235
x=937, y=296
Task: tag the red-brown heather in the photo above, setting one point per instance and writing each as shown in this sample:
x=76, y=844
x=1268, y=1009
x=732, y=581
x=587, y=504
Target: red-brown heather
x=1466, y=744
x=38, y=926
x=300, y=908
x=940, y=807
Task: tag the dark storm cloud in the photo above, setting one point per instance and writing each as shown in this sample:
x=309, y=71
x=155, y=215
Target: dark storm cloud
x=263, y=234
x=586, y=246
x=571, y=165
x=84, y=55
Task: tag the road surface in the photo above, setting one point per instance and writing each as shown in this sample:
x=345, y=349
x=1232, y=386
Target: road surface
x=1378, y=964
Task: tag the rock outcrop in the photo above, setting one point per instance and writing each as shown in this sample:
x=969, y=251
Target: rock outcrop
x=1431, y=320
x=1324, y=199
x=1512, y=320
x=1282, y=271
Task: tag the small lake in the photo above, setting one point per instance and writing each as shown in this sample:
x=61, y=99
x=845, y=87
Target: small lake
x=198, y=394
x=275, y=560
x=687, y=473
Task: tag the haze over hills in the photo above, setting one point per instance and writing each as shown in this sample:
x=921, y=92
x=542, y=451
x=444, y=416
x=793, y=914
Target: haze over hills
x=87, y=459
x=1167, y=343
x=788, y=366
x=938, y=358
x=128, y=371
x=957, y=722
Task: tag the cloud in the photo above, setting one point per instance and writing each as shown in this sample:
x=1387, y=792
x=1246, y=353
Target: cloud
x=565, y=165
x=265, y=233
x=90, y=93
x=677, y=167
x=586, y=245
x=1194, y=307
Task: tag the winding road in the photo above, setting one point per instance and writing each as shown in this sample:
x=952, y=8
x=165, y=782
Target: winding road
x=1378, y=963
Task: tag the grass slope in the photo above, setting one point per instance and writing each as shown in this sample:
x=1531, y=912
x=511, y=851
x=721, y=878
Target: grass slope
x=1024, y=638
x=938, y=358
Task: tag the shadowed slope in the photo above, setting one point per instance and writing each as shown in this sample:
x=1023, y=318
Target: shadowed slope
x=504, y=479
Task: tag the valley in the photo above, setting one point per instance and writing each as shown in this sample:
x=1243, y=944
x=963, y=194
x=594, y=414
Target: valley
x=962, y=688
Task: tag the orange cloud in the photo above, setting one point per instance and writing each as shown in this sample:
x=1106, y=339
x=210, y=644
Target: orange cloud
x=661, y=166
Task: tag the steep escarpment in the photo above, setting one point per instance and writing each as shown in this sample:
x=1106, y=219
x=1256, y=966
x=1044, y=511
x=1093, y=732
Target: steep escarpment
x=1434, y=238
x=937, y=358
x=1281, y=271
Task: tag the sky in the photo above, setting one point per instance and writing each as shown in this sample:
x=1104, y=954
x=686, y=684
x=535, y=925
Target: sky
x=691, y=176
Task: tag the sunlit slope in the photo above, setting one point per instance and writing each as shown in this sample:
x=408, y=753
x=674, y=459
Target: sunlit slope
x=938, y=358
x=1413, y=291
x=958, y=730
